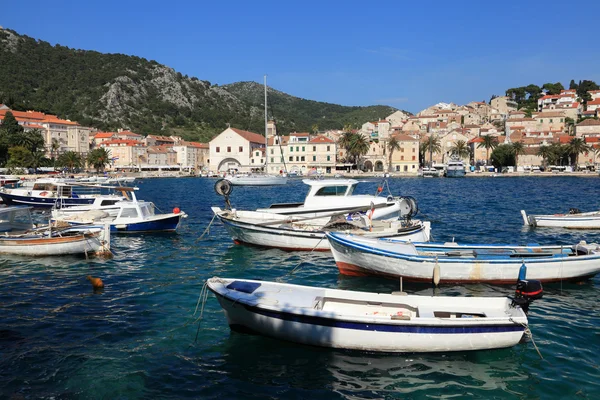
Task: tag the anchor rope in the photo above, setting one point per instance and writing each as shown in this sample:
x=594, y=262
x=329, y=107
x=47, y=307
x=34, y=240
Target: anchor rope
x=300, y=263
x=207, y=230
x=529, y=333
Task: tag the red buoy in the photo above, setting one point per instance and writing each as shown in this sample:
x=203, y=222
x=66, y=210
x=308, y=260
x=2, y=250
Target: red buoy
x=176, y=210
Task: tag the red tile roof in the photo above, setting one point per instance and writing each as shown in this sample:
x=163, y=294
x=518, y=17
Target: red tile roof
x=249, y=136
x=321, y=139
x=594, y=102
x=589, y=122
x=104, y=135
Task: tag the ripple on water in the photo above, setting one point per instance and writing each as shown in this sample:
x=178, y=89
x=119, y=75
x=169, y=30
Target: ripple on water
x=135, y=339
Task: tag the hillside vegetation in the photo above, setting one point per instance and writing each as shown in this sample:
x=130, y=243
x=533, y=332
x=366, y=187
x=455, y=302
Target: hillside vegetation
x=110, y=91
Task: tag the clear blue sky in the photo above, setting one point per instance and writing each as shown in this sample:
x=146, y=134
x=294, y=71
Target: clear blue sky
x=405, y=54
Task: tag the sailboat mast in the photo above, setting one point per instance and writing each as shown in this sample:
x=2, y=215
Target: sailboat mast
x=266, y=129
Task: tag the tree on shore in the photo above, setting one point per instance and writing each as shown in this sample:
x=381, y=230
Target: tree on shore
x=70, y=160
x=431, y=145
x=503, y=156
x=392, y=145
x=99, y=158
x=460, y=149
x=489, y=142
x=19, y=157
x=546, y=153
x=577, y=146
x=518, y=149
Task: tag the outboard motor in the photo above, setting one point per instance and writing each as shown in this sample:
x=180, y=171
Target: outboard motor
x=574, y=211
x=527, y=290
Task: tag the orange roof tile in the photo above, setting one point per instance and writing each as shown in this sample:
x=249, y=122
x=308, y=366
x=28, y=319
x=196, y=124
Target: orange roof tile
x=321, y=139
x=589, y=122
x=104, y=135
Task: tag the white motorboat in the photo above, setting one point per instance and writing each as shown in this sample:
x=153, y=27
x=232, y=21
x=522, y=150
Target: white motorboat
x=288, y=233
x=328, y=196
x=132, y=216
x=374, y=321
x=574, y=219
x=48, y=193
x=455, y=169
x=21, y=237
x=356, y=255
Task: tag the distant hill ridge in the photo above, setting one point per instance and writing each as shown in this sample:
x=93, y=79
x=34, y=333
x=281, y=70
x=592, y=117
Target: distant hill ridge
x=110, y=91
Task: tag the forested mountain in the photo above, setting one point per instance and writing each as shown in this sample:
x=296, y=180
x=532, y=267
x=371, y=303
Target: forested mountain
x=110, y=91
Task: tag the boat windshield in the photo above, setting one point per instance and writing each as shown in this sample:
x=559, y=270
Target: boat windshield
x=129, y=212
x=333, y=191
x=16, y=220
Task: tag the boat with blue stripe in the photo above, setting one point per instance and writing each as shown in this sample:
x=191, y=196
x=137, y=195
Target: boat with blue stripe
x=370, y=321
x=467, y=264
x=131, y=216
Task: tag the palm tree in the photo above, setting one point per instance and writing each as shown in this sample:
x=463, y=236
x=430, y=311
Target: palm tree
x=34, y=140
x=577, y=145
x=359, y=147
x=489, y=142
x=460, y=149
x=432, y=145
x=558, y=153
x=39, y=159
x=345, y=141
x=517, y=148
x=546, y=153
x=99, y=158
x=392, y=146
x=71, y=160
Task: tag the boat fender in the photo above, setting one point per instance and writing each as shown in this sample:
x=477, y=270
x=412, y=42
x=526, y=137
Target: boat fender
x=176, y=210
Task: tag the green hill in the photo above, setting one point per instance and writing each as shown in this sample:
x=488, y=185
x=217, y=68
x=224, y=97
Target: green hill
x=110, y=91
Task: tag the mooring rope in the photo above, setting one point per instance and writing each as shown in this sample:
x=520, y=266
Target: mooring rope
x=207, y=230
x=300, y=263
x=203, y=296
x=529, y=333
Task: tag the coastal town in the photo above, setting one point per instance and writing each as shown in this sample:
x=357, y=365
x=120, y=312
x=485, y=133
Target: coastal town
x=398, y=143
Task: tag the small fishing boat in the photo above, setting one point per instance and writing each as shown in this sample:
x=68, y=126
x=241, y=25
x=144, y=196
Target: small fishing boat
x=374, y=321
x=574, y=219
x=328, y=196
x=21, y=237
x=9, y=180
x=359, y=256
x=132, y=216
x=288, y=233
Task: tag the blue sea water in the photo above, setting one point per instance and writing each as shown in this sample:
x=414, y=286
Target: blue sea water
x=138, y=337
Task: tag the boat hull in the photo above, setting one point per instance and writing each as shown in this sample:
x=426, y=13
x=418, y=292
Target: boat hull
x=305, y=240
x=88, y=243
x=42, y=202
x=455, y=173
x=253, y=180
x=166, y=223
x=331, y=328
x=361, y=257
x=590, y=220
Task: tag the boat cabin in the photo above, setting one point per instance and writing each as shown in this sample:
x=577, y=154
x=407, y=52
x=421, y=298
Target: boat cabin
x=15, y=219
x=136, y=209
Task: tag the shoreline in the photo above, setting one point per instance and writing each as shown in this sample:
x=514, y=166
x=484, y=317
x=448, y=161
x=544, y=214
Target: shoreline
x=143, y=175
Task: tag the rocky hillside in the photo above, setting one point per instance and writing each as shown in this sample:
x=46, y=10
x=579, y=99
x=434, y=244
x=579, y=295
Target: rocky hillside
x=110, y=91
